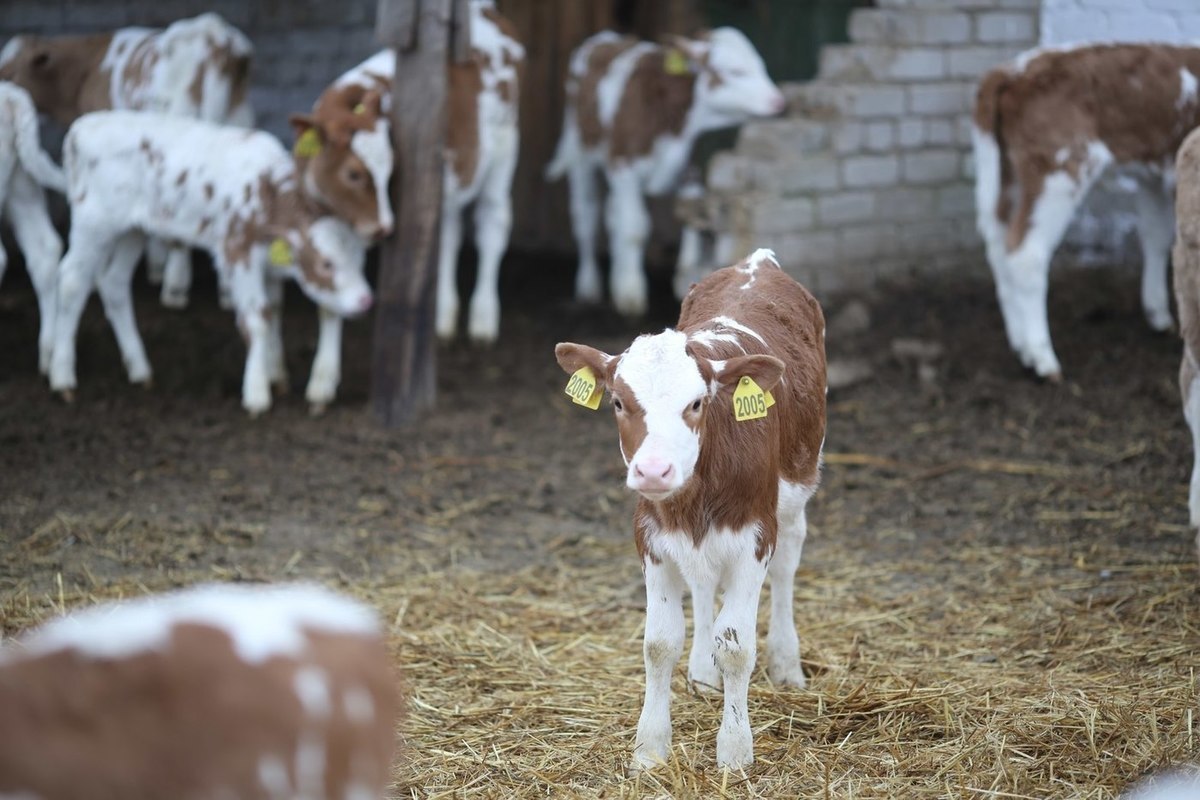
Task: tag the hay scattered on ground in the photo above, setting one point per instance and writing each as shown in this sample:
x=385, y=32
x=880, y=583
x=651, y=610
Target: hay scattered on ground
x=990, y=672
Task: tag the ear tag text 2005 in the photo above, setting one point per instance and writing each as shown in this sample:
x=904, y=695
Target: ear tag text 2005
x=582, y=389
x=750, y=401
x=308, y=145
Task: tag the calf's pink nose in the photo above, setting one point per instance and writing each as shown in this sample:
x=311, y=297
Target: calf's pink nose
x=653, y=473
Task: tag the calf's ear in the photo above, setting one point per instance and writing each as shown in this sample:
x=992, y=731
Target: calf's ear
x=762, y=369
x=571, y=357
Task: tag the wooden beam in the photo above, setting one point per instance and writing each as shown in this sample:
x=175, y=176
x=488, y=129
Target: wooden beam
x=403, y=364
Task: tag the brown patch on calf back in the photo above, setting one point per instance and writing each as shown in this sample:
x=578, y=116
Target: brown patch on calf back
x=1125, y=96
x=189, y=719
x=62, y=74
x=591, y=129
x=141, y=64
x=653, y=104
x=735, y=482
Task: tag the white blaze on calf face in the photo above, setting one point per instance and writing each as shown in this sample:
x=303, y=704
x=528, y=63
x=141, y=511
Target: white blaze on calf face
x=343, y=254
x=664, y=384
x=374, y=147
x=740, y=86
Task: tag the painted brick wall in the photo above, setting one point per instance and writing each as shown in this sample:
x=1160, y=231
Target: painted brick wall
x=1105, y=230
x=870, y=172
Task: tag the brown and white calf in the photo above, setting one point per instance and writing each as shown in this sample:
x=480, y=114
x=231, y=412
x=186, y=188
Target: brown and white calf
x=24, y=170
x=1046, y=127
x=722, y=500
x=232, y=192
x=218, y=691
x=197, y=67
x=1187, y=301
x=482, y=145
x=634, y=110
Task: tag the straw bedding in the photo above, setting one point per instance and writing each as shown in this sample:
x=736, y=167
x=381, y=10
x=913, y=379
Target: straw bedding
x=998, y=597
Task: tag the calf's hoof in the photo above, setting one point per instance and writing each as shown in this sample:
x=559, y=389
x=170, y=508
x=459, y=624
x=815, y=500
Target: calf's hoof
x=317, y=409
x=174, y=298
x=67, y=395
x=787, y=674
x=735, y=749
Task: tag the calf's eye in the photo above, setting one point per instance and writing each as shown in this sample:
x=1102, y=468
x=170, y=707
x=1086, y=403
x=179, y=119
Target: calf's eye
x=696, y=406
x=617, y=405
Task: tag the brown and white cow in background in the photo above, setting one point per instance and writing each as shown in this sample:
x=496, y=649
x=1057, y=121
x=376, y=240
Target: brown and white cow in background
x=24, y=170
x=1046, y=127
x=136, y=174
x=483, y=141
x=722, y=500
x=634, y=110
x=1187, y=300
x=198, y=67
x=215, y=691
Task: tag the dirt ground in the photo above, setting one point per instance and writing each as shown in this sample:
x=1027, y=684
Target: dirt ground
x=979, y=536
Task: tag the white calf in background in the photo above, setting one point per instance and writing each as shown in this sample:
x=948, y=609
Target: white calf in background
x=723, y=479
x=229, y=191
x=24, y=170
x=634, y=110
x=1046, y=128
x=482, y=146
x=217, y=691
x=197, y=67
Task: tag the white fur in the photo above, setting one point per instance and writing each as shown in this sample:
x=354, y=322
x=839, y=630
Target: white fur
x=1187, y=88
x=358, y=705
x=490, y=189
x=124, y=168
x=262, y=621
x=312, y=687
x=181, y=49
x=665, y=381
x=374, y=147
x=744, y=91
x=24, y=170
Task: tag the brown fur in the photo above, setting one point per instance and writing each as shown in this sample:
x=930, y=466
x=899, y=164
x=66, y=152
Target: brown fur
x=654, y=104
x=591, y=130
x=1186, y=256
x=462, y=135
x=63, y=74
x=278, y=212
x=188, y=720
x=1124, y=96
x=736, y=478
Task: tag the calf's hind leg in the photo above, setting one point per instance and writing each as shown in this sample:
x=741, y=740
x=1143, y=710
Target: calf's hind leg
x=783, y=643
x=115, y=287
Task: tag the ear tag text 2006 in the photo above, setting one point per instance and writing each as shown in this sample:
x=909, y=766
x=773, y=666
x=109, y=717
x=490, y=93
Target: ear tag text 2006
x=308, y=145
x=750, y=401
x=280, y=253
x=582, y=389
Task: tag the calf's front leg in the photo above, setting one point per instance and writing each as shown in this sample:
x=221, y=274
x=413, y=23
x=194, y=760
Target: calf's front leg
x=662, y=647
x=327, y=363
x=250, y=297
x=734, y=645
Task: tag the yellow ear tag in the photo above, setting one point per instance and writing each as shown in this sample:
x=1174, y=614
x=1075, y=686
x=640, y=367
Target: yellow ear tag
x=676, y=63
x=360, y=109
x=770, y=399
x=280, y=254
x=749, y=401
x=582, y=389
x=308, y=145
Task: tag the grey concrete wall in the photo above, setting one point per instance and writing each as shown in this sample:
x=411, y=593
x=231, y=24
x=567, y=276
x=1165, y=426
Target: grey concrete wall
x=300, y=45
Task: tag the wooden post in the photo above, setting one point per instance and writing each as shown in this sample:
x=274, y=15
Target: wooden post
x=403, y=364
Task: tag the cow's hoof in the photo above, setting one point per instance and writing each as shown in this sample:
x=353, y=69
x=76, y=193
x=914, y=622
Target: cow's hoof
x=317, y=409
